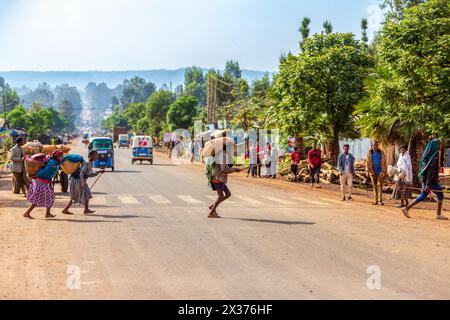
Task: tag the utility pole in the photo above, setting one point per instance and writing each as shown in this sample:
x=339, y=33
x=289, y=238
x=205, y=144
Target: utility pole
x=214, y=104
x=209, y=101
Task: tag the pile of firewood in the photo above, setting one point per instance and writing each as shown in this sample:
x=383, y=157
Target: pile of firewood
x=329, y=173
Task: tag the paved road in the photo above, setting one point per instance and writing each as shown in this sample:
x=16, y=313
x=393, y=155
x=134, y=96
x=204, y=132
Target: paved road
x=150, y=239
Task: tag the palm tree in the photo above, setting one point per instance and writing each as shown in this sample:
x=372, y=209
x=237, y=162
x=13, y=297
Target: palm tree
x=383, y=117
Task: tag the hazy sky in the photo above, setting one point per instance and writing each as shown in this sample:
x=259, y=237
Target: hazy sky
x=164, y=34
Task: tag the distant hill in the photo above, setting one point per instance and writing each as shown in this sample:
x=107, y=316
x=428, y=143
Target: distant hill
x=31, y=79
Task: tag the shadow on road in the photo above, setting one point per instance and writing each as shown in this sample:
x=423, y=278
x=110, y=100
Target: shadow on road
x=273, y=221
x=120, y=217
x=83, y=221
x=164, y=165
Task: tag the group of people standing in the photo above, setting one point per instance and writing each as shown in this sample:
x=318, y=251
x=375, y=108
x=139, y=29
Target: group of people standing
x=258, y=157
x=40, y=193
x=376, y=167
x=314, y=164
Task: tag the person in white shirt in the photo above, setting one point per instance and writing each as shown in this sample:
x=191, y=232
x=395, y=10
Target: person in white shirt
x=404, y=180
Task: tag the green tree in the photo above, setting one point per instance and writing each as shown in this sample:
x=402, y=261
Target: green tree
x=182, y=112
x=134, y=114
x=396, y=8
x=115, y=101
x=323, y=82
x=304, y=29
x=18, y=118
x=136, y=90
x=157, y=106
x=116, y=119
x=40, y=121
x=327, y=27
x=233, y=70
x=260, y=99
x=67, y=109
x=364, y=27
x=11, y=96
x=416, y=53
x=42, y=95
x=59, y=121
x=194, y=84
x=408, y=97
x=101, y=96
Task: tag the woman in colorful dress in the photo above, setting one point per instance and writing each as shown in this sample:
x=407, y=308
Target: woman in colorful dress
x=41, y=194
x=80, y=193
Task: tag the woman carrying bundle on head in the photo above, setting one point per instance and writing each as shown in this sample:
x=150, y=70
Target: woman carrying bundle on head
x=80, y=192
x=41, y=194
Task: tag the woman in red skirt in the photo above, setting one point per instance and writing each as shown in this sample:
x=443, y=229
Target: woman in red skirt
x=41, y=194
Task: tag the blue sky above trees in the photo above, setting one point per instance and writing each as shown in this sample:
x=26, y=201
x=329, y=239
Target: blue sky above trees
x=157, y=34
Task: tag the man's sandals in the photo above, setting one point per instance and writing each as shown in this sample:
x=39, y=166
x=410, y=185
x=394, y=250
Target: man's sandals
x=213, y=215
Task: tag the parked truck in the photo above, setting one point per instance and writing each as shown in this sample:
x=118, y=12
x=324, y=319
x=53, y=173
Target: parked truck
x=118, y=131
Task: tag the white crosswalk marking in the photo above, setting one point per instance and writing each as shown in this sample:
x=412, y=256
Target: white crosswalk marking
x=98, y=200
x=250, y=200
x=189, y=199
x=159, y=199
x=279, y=200
x=128, y=200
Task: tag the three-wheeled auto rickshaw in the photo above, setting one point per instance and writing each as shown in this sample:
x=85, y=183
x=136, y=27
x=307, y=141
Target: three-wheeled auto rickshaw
x=123, y=141
x=105, y=150
x=142, y=149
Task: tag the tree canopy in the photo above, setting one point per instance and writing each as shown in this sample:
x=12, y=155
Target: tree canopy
x=409, y=94
x=317, y=90
x=182, y=112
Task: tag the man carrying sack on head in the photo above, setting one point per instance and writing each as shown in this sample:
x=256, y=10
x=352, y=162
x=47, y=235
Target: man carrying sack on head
x=18, y=166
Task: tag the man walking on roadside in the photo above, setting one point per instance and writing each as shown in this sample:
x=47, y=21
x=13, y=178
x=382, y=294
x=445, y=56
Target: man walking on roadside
x=429, y=174
x=18, y=166
x=314, y=164
x=377, y=168
x=346, y=164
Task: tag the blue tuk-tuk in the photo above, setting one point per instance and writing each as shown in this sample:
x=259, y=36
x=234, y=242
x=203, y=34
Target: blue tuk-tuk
x=142, y=149
x=105, y=150
x=123, y=141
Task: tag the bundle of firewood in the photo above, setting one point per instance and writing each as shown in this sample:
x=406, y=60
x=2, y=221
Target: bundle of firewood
x=329, y=173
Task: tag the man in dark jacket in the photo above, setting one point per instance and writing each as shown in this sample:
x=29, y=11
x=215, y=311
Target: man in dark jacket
x=346, y=164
